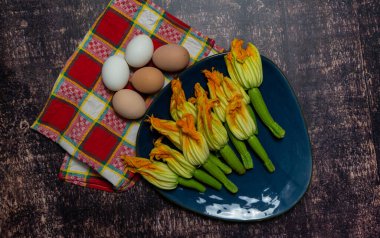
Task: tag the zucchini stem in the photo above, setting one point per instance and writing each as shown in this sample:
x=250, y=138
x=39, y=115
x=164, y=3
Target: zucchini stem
x=191, y=183
x=207, y=179
x=255, y=144
x=262, y=110
x=252, y=114
x=241, y=148
x=222, y=166
x=219, y=175
x=232, y=160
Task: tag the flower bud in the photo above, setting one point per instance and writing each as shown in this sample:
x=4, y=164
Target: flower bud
x=167, y=128
x=214, y=83
x=194, y=145
x=156, y=173
x=231, y=88
x=238, y=119
x=178, y=104
x=208, y=123
x=244, y=65
x=174, y=159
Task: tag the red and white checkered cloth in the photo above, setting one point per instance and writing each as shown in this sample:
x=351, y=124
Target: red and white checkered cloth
x=79, y=116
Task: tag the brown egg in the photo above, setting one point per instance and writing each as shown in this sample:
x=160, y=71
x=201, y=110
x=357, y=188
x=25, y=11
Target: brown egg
x=128, y=104
x=171, y=58
x=147, y=80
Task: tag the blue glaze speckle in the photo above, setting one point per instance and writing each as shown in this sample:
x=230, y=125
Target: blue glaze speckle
x=261, y=195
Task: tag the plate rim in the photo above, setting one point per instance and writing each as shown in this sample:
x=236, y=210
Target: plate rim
x=291, y=206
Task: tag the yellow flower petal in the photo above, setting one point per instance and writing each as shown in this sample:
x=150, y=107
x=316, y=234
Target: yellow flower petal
x=230, y=68
x=208, y=123
x=214, y=83
x=194, y=145
x=231, y=88
x=167, y=128
x=255, y=63
x=174, y=159
x=238, y=119
x=244, y=65
x=178, y=104
x=238, y=51
x=156, y=173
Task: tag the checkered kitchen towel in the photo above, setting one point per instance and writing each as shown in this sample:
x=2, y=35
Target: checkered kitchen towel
x=79, y=116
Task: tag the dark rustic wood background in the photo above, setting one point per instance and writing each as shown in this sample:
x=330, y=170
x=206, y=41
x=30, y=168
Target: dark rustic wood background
x=328, y=49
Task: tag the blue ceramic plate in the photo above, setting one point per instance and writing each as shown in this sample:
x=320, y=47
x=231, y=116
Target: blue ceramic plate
x=261, y=195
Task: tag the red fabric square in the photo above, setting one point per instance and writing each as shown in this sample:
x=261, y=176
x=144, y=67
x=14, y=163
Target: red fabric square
x=100, y=143
x=113, y=27
x=84, y=70
x=157, y=43
x=58, y=114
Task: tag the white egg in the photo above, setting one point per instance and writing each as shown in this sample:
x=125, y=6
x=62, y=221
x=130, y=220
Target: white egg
x=139, y=51
x=115, y=73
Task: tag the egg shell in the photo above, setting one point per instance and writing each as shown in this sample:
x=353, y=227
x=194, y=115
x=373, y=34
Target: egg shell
x=171, y=57
x=139, y=51
x=115, y=73
x=148, y=80
x=128, y=104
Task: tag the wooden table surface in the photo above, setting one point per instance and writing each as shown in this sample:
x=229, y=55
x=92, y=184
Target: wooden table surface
x=328, y=49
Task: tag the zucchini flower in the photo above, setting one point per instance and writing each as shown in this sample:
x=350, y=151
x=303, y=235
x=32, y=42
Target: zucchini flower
x=244, y=65
x=175, y=160
x=178, y=104
x=207, y=122
x=167, y=128
x=245, y=68
x=177, y=163
x=159, y=174
x=213, y=130
x=242, y=127
x=224, y=89
x=194, y=145
x=214, y=83
x=189, y=141
x=155, y=173
x=238, y=118
x=231, y=88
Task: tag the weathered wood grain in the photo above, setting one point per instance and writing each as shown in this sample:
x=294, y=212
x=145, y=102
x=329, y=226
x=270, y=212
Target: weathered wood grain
x=328, y=49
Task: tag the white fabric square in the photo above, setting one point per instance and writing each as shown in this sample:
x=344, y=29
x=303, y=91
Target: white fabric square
x=93, y=107
x=78, y=166
x=193, y=46
x=111, y=176
x=148, y=18
x=131, y=134
x=66, y=145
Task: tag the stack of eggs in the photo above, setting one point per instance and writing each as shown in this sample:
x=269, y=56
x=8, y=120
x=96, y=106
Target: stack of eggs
x=146, y=80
